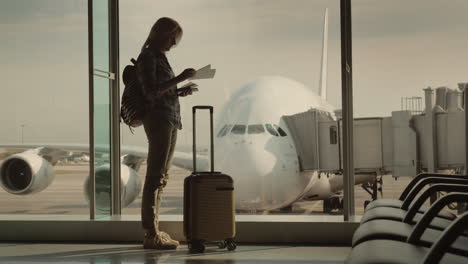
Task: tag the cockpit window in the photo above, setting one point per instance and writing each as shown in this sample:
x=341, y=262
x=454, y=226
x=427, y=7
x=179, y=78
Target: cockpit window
x=222, y=131
x=280, y=131
x=255, y=129
x=238, y=129
x=271, y=130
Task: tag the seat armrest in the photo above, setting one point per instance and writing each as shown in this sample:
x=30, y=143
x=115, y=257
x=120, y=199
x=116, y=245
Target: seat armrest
x=449, y=235
x=426, y=181
x=427, y=193
x=427, y=218
x=422, y=176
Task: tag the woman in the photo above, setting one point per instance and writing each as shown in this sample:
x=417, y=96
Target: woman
x=161, y=122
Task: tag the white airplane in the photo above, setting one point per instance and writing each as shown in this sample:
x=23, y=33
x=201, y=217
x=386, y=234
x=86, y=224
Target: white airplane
x=253, y=145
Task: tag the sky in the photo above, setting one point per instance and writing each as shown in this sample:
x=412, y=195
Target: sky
x=399, y=48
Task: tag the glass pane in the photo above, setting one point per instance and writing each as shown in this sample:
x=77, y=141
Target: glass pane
x=271, y=130
x=268, y=60
x=238, y=129
x=101, y=107
x=101, y=34
x=44, y=109
x=221, y=132
x=407, y=66
x=102, y=145
x=280, y=131
x=255, y=129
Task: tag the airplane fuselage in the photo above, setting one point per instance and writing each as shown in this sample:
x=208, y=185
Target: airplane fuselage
x=254, y=145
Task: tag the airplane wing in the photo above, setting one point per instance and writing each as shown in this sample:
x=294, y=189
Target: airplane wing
x=185, y=160
x=181, y=159
x=131, y=154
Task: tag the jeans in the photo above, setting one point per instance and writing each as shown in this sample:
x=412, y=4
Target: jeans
x=162, y=136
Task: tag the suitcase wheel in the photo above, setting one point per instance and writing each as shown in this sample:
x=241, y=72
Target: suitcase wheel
x=231, y=246
x=229, y=243
x=196, y=246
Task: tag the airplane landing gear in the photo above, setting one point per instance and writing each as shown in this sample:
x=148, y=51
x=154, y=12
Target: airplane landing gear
x=334, y=203
x=373, y=188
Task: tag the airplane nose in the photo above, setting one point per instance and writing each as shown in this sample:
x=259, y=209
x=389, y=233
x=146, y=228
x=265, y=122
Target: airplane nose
x=252, y=169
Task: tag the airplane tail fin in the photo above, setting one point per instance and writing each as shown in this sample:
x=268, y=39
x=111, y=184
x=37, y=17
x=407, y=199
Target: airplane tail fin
x=324, y=63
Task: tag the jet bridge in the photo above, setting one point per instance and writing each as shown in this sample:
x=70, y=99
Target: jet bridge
x=306, y=130
x=404, y=144
x=318, y=140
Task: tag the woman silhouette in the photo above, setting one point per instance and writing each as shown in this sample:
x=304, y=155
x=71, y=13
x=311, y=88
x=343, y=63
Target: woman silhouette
x=161, y=122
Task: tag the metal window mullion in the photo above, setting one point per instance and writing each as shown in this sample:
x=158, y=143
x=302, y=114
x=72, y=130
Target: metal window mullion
x=114, y=106
x=347, y=105
x=92, y=180
x=465, y=99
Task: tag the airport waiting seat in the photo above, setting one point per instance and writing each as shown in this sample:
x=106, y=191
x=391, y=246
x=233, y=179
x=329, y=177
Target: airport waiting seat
x=399, y=214
x=400, y=231
x=412, y=216
x=382, y=251
x=418, y=180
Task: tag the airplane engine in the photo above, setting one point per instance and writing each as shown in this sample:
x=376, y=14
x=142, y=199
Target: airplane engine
x=25, y=173
x=130, y=186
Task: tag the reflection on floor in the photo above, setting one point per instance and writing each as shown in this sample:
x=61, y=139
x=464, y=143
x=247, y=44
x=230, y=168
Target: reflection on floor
x=134, y=253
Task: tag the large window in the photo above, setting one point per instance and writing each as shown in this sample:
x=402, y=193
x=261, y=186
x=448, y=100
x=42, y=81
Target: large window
x=44, y=108
x=268, y=57
x=400, y=49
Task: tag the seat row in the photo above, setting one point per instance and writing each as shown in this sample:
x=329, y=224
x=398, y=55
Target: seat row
x=404, y=230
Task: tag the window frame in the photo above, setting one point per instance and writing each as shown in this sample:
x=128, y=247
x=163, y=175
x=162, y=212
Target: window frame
x=338, y=229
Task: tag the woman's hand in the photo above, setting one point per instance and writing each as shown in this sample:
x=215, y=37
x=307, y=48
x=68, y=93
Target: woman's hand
x=187, y=73
x=185, y=92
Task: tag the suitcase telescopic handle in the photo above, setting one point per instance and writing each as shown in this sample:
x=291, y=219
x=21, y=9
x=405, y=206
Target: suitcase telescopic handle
x=194, y=110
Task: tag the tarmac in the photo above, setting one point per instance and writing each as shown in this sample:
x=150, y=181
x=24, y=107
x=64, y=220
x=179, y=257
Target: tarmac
x=65, y=196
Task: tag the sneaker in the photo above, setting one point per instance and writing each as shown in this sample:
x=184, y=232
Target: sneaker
x=167, y=238
x=160, y=241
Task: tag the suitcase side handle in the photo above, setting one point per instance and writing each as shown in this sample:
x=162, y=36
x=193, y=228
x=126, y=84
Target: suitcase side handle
x=194, y=110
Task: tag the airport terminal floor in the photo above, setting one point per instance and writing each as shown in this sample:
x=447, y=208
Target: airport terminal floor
x=134, y=253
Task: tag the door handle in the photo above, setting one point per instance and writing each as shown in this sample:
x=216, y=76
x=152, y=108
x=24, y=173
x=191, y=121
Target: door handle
x=104, y=74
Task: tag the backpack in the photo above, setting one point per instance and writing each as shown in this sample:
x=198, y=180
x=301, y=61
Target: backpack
x=132, y=110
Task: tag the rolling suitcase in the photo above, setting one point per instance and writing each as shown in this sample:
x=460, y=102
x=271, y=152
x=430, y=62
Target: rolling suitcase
x=208, y=202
